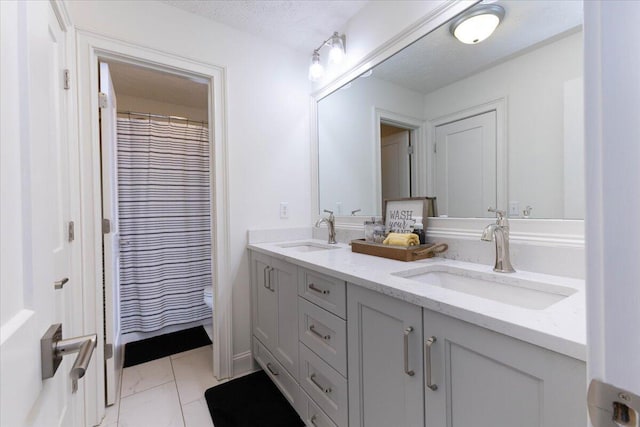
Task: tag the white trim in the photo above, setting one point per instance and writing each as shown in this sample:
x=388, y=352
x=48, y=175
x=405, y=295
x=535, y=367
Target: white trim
x=91, y=47
x=243, y=363
x=502, y=168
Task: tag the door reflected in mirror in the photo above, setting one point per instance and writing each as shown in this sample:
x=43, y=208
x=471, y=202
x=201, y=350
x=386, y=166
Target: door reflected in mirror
x=498, y=123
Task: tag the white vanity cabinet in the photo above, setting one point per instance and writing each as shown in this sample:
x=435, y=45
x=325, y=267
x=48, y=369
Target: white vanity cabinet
x=384, y=360
x=486, y=379
x=275, y=308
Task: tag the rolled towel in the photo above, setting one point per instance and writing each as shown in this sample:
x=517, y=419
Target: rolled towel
x=402, y=239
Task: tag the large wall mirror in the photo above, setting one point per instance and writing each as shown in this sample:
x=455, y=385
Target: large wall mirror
x=498, y=123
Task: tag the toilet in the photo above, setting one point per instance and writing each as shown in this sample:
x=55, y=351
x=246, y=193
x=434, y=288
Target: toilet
x=208, y=296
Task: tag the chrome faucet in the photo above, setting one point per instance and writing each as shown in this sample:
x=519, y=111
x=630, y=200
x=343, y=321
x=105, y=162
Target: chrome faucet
x=501, y=232
x=331, y=225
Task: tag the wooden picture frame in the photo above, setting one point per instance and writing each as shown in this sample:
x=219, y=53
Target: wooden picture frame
x=401, y=214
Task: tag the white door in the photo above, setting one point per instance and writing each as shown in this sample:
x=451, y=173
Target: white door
x=110, y=240
x=395, y=161
x=465, y=166
x=36, y=249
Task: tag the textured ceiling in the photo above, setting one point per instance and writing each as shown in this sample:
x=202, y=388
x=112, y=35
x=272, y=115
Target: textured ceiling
x=145, y=83
x=439, y=59
x=301, y=25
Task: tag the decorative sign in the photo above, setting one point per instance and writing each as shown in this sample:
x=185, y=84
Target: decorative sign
x=402, y=214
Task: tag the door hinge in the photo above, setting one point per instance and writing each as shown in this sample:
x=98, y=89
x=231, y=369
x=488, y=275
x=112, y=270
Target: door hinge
x=66, y=83
x=410, y=149
x=108, y=351
x=106, y=226
x=71, y=231
x=103, y=101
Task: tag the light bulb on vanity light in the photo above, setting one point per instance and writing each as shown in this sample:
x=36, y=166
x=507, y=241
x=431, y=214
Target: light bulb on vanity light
x=337, y=52
x=316, y=70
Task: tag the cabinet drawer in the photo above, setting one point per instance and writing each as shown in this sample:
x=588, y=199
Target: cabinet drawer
x=313, y=416
x=328, y=292
x=324, y=333
x=285, y=382
x=324, y=385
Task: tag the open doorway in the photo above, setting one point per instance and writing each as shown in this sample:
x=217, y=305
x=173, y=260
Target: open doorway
x=157, y=211
x=395, y=161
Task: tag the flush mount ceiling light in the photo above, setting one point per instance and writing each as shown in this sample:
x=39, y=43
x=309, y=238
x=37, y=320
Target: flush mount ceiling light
x=477, y=24
x=337, y=53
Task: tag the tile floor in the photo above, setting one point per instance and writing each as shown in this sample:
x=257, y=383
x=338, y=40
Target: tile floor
x=167, y=392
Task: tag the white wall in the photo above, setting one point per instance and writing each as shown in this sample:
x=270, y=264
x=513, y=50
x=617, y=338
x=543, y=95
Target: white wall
x=347, y=156
x=533, y=84
x=267, y=118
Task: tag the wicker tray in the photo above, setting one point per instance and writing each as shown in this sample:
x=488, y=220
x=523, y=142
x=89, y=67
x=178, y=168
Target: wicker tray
x=412, y=253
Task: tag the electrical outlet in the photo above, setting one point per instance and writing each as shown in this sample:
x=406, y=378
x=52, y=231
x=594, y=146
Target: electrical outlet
x=514, y=209
x=284, y=210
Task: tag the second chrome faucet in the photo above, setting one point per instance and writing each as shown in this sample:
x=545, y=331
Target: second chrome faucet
x=331, y=225
x=500, y=232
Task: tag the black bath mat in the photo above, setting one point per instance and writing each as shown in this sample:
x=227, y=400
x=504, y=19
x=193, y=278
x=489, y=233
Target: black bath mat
x=138, y=352
x=250, y=401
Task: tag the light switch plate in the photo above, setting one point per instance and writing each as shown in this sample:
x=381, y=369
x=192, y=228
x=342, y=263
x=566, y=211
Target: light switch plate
x=284, y=210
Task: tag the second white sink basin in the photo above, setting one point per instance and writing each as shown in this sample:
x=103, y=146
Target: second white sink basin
x=308, y=246
x=504, y=288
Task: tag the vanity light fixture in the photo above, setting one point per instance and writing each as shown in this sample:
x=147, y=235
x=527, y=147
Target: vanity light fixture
x=337, y=53
x=477, y=24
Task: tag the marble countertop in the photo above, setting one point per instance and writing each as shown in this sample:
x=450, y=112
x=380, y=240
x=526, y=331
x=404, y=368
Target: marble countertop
x=561, y=327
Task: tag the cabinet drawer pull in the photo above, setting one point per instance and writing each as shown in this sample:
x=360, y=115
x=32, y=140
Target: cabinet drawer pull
x=427, y=363
x=273, y=371
x=327, y=390
x=318, y=290
x=406, y=351
x=312, y=329
x=313, y=420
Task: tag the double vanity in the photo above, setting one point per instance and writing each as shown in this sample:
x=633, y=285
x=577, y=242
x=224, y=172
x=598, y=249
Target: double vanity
x=358, y=340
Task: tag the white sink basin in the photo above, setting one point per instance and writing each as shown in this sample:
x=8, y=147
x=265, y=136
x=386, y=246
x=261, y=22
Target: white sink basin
x=504, y=288
x=308, y=246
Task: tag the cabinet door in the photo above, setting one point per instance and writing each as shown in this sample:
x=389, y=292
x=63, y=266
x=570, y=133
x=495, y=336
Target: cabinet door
x=264, y=300
x=381, y=392
x=284, y=281
x=486, y=379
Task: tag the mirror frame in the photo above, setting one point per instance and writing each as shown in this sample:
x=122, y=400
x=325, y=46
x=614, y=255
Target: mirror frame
x=556, y=231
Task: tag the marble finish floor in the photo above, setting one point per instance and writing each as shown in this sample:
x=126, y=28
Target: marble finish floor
x=167, y=392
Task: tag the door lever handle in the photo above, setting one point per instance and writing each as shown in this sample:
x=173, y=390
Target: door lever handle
x=53, y=348
x=58, y=284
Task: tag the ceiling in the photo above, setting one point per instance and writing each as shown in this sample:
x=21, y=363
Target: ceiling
x=439, y=59
x=301, y=25
x=145, y=83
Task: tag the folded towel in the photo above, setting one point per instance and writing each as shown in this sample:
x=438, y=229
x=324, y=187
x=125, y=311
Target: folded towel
x=402, y=239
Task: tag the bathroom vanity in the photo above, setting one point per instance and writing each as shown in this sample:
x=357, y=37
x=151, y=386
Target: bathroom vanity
x=357, y=340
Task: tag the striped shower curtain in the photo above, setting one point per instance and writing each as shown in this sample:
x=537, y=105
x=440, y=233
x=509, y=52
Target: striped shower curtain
x=165, y=223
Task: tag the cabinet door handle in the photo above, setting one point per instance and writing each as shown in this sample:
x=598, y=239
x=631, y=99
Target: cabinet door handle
x=273, y=371
x=427, y=363
x=312, y=286
x=325, y=390
x=312, y=329
x=406, y=351
x=264, y=277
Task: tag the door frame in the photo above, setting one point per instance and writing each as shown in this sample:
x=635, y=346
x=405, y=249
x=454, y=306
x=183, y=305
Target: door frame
x=502, y=171
x=417, y=135
x=90, y=49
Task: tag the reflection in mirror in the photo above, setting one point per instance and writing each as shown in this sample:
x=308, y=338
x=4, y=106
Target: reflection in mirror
x=498, y=123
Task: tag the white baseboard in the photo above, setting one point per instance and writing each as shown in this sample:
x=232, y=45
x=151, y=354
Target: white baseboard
x=243, y=363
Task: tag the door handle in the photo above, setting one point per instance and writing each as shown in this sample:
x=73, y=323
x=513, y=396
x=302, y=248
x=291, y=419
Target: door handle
x=53, y=348
x=427, y=363
x=406, y=351
x=58, y=284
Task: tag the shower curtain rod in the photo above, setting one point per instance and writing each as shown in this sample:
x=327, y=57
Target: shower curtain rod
x=161, y=116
